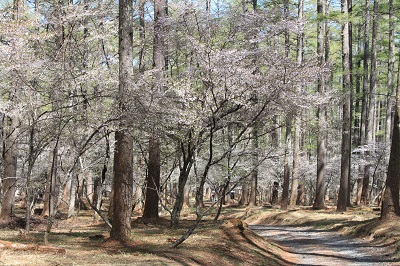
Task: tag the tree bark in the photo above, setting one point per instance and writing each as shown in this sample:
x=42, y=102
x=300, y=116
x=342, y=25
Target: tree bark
x=244, y=199
x=319, y=202
x=10, y=168
x=296, y=144
x=123, y=187
x=73, y=195
x=296, y=161
x=390, y=200
x=10, y=152
x=364, y=102
x=186, y=196
x=159, y=65
x=301, y=196
x=275, y=192
x=153, y=179
x=346, y=121
x=365, y=185
x=286, y=171
x=254, y=173
x=391, y=87
x=187, y=160
x=123, y=154
x=373, y=82
x=51, y=184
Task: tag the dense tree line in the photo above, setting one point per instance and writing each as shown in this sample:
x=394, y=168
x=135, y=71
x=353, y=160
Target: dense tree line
x=263, y=99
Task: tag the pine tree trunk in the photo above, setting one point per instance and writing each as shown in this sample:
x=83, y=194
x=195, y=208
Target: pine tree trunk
x=159, y=65
x=319, y=202
x=296, y=144
x=286, y=171
x=364, y=104
x=372, y=114
x=275, y=192
x=301, y=195
x=153, y=180
x=346, y=121
x=296, y=161
x=123, y=187
x=244, y=199
x=365, y=185
x=123, y=154
x=390, y=197
x=392, y=89
x=390, y=200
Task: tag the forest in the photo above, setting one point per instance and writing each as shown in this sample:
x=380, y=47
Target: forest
x=177, y=113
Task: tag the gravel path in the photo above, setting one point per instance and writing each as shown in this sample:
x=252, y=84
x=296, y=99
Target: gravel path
x=321, y=247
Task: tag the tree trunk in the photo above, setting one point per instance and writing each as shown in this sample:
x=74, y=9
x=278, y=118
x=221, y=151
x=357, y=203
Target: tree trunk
x=390, y=200
x=138, y=198
x=244, y=199
x=28, y=189
x=89, y=184
x=346, y=123
x=296, y=160
x=159, y=65
x=10, y=168
x=371, y=133
x=276, y=133
x=123, y=186
x=186, y=197
x=176, y=212
x=364, y=107
x=301, y=195
x=123, y=154
x=365, y=185
x=391, y=87
x=286, y=171
x=153, y=180
x=73, y=195
x=81, y=182
x=10, y=152
x=319, y=202
x=51, y=184
x=188, y=158
x=296, y=144
x=97, y=196
x=275, y=193
x=254, y=173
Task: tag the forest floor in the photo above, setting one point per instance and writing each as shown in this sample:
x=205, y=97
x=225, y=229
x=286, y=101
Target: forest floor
x=226, y=242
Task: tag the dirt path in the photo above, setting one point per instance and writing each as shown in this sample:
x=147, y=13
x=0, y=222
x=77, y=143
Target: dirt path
x=321, y=247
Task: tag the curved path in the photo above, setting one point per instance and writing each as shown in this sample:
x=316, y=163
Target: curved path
x=321, y=247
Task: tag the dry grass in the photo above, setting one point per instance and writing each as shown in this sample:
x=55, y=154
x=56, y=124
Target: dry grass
x=86, y=243
x=226, y=242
